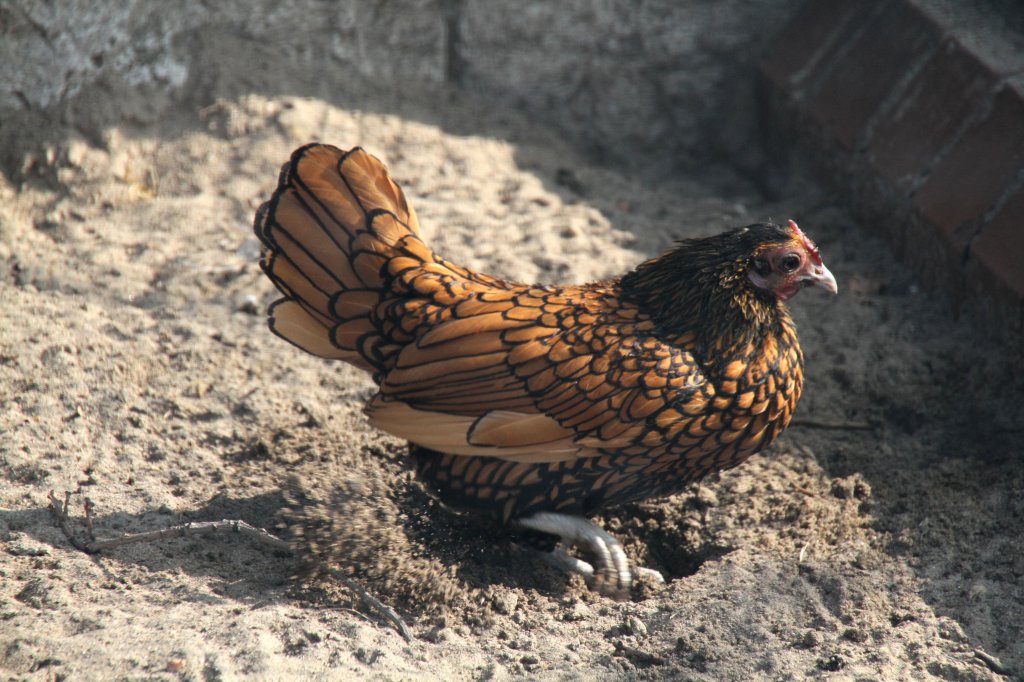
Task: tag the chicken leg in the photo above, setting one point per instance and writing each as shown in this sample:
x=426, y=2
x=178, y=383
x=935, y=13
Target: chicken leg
x=613, y=576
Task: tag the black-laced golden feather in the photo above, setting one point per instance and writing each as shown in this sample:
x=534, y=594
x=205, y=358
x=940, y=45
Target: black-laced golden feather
x=531, y=398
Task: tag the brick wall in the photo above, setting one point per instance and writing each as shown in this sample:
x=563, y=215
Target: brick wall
x=915, y=110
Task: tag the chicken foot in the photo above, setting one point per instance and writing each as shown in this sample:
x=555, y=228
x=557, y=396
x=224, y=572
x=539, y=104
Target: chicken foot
x=613, y=576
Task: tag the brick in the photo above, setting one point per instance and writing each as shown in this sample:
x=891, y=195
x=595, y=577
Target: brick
x=977, y=171
x=937, y=104
x=845, y=94
x=999, y=248
x=813, y=37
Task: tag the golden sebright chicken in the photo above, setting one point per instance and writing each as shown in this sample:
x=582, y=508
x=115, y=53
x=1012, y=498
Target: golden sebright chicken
x=539, y=405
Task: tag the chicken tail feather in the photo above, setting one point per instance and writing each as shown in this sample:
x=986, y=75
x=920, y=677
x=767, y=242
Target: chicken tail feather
x=328, y=232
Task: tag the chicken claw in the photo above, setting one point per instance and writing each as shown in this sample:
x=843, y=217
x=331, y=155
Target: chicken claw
x=612, y=577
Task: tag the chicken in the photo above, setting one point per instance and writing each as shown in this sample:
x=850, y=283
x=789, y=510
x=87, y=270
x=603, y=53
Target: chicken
x=532, y=405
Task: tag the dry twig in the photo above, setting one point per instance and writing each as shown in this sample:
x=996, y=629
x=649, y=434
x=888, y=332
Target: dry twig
x=60, y=510
x=991, y=662
x=194, y=528
x=374, y=603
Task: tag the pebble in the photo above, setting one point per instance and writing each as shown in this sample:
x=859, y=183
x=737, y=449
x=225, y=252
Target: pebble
x=635, y=626
x=505, y=603
x=576, y=612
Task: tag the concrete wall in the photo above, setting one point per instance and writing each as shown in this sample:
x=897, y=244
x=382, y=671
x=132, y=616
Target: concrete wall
x=658, y=84
x=666, y=81
x=82, y=65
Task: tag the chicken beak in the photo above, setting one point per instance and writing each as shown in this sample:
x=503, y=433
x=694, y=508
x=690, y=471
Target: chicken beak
x=820, y=276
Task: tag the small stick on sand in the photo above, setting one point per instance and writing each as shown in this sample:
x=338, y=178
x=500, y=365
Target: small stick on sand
x=88, y=518
x=991, y=662
x=60, y=510
x=374, y=603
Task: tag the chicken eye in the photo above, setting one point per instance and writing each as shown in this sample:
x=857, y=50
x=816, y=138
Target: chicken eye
x=789, y=263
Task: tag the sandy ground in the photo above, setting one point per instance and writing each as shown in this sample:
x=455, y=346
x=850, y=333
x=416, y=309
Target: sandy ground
x=880, y=539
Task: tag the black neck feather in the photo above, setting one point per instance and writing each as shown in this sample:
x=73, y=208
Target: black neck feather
x=701, y=288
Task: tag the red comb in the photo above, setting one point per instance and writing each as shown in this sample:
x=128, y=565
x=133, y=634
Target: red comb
x=808, y=244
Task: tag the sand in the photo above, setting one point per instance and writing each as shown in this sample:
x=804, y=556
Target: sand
x=879, y=539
